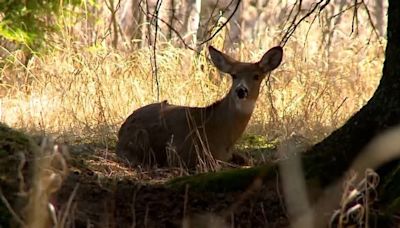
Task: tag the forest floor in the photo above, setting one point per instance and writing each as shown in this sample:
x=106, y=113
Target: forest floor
x=101, y=191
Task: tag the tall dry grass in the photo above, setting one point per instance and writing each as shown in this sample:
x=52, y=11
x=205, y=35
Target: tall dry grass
x=82, y=91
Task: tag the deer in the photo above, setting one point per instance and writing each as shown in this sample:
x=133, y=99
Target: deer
x=153, y=132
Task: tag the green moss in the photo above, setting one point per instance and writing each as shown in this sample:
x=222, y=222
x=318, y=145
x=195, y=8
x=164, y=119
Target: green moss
x=256, y=147
x=249, y=141
x=229, y=180
x=223, y=181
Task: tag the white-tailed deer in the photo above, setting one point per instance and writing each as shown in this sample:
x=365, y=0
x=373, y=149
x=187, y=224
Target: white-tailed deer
x=153, y=132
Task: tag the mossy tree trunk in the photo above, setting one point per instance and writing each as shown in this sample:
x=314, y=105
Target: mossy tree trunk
x=328, y=160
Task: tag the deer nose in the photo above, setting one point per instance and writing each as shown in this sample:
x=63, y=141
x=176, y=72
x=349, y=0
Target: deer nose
x=242, y=92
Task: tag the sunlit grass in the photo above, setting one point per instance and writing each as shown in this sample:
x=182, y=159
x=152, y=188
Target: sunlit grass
x=80, y=92
x=81, y=89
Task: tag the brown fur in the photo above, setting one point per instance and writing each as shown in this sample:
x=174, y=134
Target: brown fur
x=154, y=133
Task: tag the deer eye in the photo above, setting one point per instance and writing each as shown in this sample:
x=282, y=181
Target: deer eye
x=256, y=77
x=233, y=76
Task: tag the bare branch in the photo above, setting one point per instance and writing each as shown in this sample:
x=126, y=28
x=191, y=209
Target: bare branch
x=157, y=18
x=295, y=23
x=113, y=23
x=374, y=29
x=212, y=13
x=344, y=10
x=355, y=17
x=170, y=27
x=154, y=65
x=224, y=24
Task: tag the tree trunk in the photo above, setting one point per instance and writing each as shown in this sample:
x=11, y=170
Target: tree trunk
x=328, y=160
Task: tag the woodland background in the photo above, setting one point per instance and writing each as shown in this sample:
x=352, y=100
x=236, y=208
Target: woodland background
x=74, y=70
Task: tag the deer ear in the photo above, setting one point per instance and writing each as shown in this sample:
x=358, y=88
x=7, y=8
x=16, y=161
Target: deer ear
x=271, y=59
x=223, y=62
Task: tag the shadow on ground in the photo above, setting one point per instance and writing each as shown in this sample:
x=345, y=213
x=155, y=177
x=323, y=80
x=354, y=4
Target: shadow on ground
x=109, y=194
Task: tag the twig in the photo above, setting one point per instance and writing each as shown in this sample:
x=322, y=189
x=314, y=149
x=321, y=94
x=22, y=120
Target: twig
x=69, y=203
x=11, y=210
x=344, y=10
x=212, y=13
x=293, y=26
x=113, y=22
x=341, y=104
x=134, y=207
x=355, y=17
x=270, y=99
x=309, y=29
x=154, y=65
x=171, y=28
x=155, y=16
x=370, y=20
x=223, y=25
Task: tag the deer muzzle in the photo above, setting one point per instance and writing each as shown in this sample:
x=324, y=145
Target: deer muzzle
x=241, y=92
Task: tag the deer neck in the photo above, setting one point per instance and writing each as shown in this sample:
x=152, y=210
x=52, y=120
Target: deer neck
x=229, y=117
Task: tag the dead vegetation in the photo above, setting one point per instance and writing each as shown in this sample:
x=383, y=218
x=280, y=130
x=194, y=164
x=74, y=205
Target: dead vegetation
x=79, y=92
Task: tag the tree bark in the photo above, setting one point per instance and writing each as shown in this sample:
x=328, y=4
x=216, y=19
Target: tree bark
x=327, y=161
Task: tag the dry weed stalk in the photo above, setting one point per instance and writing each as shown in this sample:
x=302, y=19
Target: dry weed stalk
x=50, y=169
x=382, y=149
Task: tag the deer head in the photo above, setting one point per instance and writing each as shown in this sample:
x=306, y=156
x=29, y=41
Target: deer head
x=246, y=77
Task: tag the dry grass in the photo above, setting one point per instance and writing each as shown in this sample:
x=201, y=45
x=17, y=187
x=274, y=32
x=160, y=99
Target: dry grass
x=81, y=91
x=85, y=92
